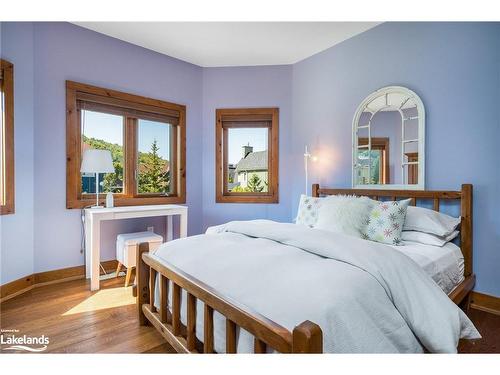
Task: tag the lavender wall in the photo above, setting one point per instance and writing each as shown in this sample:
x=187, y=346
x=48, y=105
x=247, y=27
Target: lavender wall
x=64, y=51
x=43, y=235
x=455, y=68
x=266, y=86
x=16, y=231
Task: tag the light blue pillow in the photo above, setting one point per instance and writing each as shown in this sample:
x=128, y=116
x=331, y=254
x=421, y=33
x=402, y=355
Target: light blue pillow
x=386, y=221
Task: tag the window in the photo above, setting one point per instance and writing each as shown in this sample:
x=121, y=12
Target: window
x=379, y=157
x=6, y=138
x=146, y=138
x=155, y=154
x=412, y=157
x=102, y=131
x=247, y=155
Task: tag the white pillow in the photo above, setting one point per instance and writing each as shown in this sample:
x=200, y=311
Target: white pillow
x=344, y=214
x=429, y=221
x=308, y=211
x=427, y=238
x=385, y=222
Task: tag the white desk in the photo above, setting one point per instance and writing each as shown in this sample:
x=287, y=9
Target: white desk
x=94, y=216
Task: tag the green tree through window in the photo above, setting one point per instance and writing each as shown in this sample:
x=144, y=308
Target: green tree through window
x=254, y=184
x=154, y=174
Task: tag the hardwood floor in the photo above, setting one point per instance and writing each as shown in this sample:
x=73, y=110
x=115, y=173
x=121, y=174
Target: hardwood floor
x=489, y=326
x=77, y=320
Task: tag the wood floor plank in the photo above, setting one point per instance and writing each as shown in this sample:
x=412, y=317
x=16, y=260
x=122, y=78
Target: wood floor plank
x=77, y=320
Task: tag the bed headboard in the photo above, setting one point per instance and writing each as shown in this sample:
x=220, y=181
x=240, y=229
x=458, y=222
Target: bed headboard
x=464, y=196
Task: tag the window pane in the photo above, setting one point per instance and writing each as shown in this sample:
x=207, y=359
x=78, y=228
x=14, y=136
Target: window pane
x=103, y=131
x=154, y=156
x=247, y=169
x=367, y=174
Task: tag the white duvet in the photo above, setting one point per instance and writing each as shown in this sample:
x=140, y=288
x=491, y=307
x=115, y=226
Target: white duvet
x=365, y=296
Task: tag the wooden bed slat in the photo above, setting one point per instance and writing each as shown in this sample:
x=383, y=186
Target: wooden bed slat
x=163, y=299
x=230, y=337
x=208, y=330
x=259, y=346
x=142, y=286
x=435, y=204
x=152, y=279
x=191, y=322
x=176, y=309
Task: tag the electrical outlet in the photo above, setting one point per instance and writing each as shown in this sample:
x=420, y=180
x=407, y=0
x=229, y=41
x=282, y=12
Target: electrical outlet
x=151, y=229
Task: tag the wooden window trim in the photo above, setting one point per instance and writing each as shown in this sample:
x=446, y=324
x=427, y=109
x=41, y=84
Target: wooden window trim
x=8, y=185
x=381, y=143
x=232, y=118
x=133, y=104
x=413, y=168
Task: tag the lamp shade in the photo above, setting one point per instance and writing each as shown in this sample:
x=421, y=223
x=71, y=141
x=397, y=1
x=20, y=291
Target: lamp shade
x=97, y=161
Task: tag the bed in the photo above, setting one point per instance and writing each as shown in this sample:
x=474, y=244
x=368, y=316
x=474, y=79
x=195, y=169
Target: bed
x=222, y=304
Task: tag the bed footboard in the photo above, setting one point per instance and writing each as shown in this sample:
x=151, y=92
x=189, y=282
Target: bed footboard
x=307, y=337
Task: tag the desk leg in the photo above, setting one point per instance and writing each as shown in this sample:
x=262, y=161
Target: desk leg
x=184, y=225
x=88, y=247
x=170, y=228
x=95, y=253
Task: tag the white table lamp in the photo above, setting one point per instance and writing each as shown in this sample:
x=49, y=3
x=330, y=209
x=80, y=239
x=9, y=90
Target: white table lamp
x=97, y=161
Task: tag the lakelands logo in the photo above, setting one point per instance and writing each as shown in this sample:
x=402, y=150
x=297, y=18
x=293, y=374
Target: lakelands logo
x=12, y=341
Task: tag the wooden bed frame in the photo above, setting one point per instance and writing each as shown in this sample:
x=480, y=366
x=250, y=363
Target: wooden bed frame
x=307, y=337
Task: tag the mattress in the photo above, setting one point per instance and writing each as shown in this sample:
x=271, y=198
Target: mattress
x=445, y=265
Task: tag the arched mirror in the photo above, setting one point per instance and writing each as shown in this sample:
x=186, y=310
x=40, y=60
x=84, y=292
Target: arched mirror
x=388, y=141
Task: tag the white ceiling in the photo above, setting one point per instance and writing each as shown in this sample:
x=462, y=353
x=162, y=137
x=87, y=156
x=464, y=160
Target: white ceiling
x=211, y=44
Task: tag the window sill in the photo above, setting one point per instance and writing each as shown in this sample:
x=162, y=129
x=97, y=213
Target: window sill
x=230, y=198
x=7, y=210
x=136, y=201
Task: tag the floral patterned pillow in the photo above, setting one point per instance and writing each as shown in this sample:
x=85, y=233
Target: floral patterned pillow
x=385, y=222
x=308, y=210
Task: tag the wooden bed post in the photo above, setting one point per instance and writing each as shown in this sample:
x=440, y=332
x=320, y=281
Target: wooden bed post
x=315, y=190
x=466, y=227
x=307, y=337
x=466, y=240
x=142, y=280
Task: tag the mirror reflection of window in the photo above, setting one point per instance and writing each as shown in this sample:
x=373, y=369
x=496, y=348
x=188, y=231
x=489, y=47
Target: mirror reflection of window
x=379, y=172
x=412, y=169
